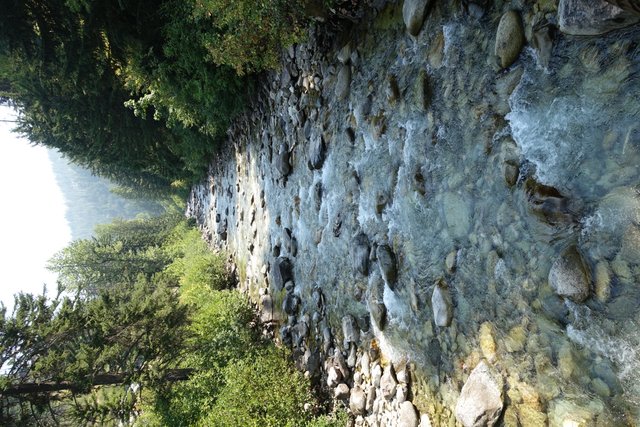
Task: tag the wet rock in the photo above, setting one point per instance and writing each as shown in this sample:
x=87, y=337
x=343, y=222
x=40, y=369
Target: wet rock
x=408, y=416
x=450, y=262
x=542, y=41
x=475, y=8
x=602, y=281
x=393, y=90
x=341, y=391
x=422, y=91
x=441, y=304
x=378, y=312
x=283, y=164
x=511, y=173
x=481, y=399
x=387, y=264
x=413, y=14
x=568, y=276
x=344, y=54
x=357, y=401
x=317, y=150
x=554, y=307
x=360, y=254
x=350, y=330
x=282, y=273
x=487, y=342
x=290, y=304
x=592, y=17
x=509, y=38
x=343, y=82
x=565, y=412
x=298, y=333
x=388, y=383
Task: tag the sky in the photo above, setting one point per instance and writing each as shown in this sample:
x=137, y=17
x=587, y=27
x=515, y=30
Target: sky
x=32, y=215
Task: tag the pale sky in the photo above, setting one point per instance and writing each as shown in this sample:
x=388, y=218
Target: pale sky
x=32, y=215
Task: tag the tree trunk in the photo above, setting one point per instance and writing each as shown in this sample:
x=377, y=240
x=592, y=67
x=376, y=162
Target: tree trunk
x=100, y=379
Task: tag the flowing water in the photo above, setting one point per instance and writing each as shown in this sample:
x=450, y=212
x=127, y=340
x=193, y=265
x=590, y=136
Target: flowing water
x=430, y=183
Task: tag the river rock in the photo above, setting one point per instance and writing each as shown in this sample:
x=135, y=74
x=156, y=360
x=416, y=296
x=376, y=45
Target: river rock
x=290, y=304
x=592, y=17
x=360, y=254
x=509, y=38
x=343, y=82
x=481, y=399
x=408, y=416
x=357, y=401
x=542, y=42
x=387, y=264
x=266, y=309
x=441, y=304
x=282, y=162
x=388, y=383
x=378, y=312
x=350, y=330
x=282, y=273
x=317, y=150
x=568, y=276
x=413, y=13
x=341, y=391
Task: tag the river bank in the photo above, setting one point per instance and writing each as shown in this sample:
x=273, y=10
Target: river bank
x=437, y=210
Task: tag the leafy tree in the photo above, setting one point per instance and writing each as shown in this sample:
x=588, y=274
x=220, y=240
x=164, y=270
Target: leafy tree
x=53, y=350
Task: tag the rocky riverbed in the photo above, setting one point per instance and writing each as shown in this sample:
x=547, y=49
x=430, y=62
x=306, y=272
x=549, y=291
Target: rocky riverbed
x=439, y=211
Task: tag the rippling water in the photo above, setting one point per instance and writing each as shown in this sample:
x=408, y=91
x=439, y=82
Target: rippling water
x=431, y=182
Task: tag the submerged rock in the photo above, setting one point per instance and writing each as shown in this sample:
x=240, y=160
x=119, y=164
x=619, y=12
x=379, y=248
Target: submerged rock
x=413, y=13
x=481, y=399
x=509, y=38
x=441, y=304
x=387, y=265
x=282, y=162
x=592, y=17
x=568, y=276
x=360, y=254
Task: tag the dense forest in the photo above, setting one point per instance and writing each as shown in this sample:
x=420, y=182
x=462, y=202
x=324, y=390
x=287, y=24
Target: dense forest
x=145, y=327
x=139, y=91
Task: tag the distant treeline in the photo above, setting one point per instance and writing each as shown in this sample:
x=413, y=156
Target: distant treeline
x=93, y=200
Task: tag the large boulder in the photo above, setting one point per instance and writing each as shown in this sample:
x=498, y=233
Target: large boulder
x=413, y=13
x=509, y=38
x=592, y=17
x=481, y=399
x=569, y=277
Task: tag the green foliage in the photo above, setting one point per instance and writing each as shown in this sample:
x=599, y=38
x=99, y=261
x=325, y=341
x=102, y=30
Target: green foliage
x=262, y=390
x=249, y=34
x=198, y=268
